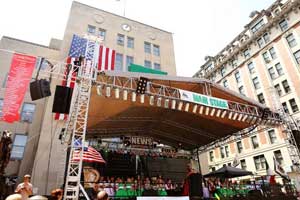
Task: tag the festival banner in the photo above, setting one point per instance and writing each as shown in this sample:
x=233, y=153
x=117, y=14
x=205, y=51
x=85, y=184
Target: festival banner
x=203, y=99
x=18, y=80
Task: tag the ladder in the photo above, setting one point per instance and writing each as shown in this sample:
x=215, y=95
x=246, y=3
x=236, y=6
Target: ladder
x=77, y=125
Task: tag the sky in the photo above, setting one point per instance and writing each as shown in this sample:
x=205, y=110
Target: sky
x=199, y=27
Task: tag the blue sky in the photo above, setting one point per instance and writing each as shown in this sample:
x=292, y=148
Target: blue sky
x=200, y=27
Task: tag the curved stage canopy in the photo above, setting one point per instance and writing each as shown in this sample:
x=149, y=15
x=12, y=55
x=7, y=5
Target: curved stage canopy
x=163, y=113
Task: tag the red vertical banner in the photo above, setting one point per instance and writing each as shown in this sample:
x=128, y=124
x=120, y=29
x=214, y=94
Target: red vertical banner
x=18, y=80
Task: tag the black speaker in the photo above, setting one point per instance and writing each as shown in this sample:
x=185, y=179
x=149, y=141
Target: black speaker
x=39, y=89
x=62, y=99
x=195, y=181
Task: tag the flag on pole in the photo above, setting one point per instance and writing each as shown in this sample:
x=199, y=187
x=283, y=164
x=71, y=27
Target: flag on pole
x=270, y=175
x=93, y=54
x=279, y=170
x=89, y=155
x=236, y=161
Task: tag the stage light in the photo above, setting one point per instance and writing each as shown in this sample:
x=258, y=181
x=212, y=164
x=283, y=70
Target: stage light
x=195, y=108
x=166, y=103
x=141, y=85
x=142, y=98
x=230, y=115
x=235, y=116
x=99, y=90
x=212, y=112
x=244, y=118
x=223, y=114
x=151, y=100
x=158, y=103
x=108, y=91
x=218, y=113
x=206, y=110
x=187, y=106
x=180, y=105
x=240, y=117
x=133, y=97
x=201, y=110
x=125, y=95
x=173, y=106
x=117, y=93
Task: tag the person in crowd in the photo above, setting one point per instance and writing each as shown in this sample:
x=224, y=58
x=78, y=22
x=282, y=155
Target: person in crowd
x=57, y=194
x=14, y=197
x=102, y=195
x=205, y=191
x=169, y=185
x=186, y=184
x=25, y=188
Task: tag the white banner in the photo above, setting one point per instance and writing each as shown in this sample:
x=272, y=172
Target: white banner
x=162, y=198
x=203, y=99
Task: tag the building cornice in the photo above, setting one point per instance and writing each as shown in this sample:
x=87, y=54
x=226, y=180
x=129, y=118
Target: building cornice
x=24, y=41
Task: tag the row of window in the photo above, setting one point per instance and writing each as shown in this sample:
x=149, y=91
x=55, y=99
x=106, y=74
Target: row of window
x=255, y=144
x=27, y=112
x=259, y=161
x=130, y=60
x=293, y=105
x=148, y=47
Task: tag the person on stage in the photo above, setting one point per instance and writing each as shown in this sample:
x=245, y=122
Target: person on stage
x=186, y=184
x=25, y=188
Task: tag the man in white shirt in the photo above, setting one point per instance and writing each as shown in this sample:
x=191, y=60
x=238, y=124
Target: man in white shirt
x=25, y=188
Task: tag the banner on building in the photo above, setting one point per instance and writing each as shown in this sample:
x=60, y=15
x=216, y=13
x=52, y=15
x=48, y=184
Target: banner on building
x=203, y=99
x=17, y=83
x=137, y=141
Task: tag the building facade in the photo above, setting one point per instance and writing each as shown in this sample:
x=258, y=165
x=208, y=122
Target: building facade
x=37, y=149
x=262, y=63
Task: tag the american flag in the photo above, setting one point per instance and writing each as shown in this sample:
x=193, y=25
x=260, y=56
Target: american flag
x=95, y=54
x=89, y=155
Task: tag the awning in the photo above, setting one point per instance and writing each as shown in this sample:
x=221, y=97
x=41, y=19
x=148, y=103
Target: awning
x=120, y=111
x=228, y=172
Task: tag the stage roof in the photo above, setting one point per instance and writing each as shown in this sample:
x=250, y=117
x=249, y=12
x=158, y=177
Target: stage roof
x=110, y=116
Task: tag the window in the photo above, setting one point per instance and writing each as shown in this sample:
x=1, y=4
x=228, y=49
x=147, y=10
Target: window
x=278, y=89
x=130, y=42
x=291, y=40
x=266, y=37
x=272, y=136
x=266, y=57
x=293, y=105
x=278, y=157
x=222, y=152
x=260, y=42
x=237, y=77
x=211, y=156
x=120, y=39
x=147, y=64
x=279, y=69
x=273, y=53
x=239, y=146
x=283, y=25
x=102, y=33
x=272, y=72
x=286, y=86
x=18, y=146
x=256, y=83
x=91, y=29
x=147, y=47
x=223, y=71
x=27, y=112
x=243, y=164
x=261, y=98
x=241, y=90
x=234, y=63
x=257, y=26
x=247, y=53
x=129, y=61
x=251, y=67
x=157, y=66
x=1, y=106
x=254, y=141
x=285, y=108
x=119, y=62
x=229, y=164
x=260, y=162
x=156, y=50
x=225, y=83
x=227, y=151
x=297, y=56
x=213, y=169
